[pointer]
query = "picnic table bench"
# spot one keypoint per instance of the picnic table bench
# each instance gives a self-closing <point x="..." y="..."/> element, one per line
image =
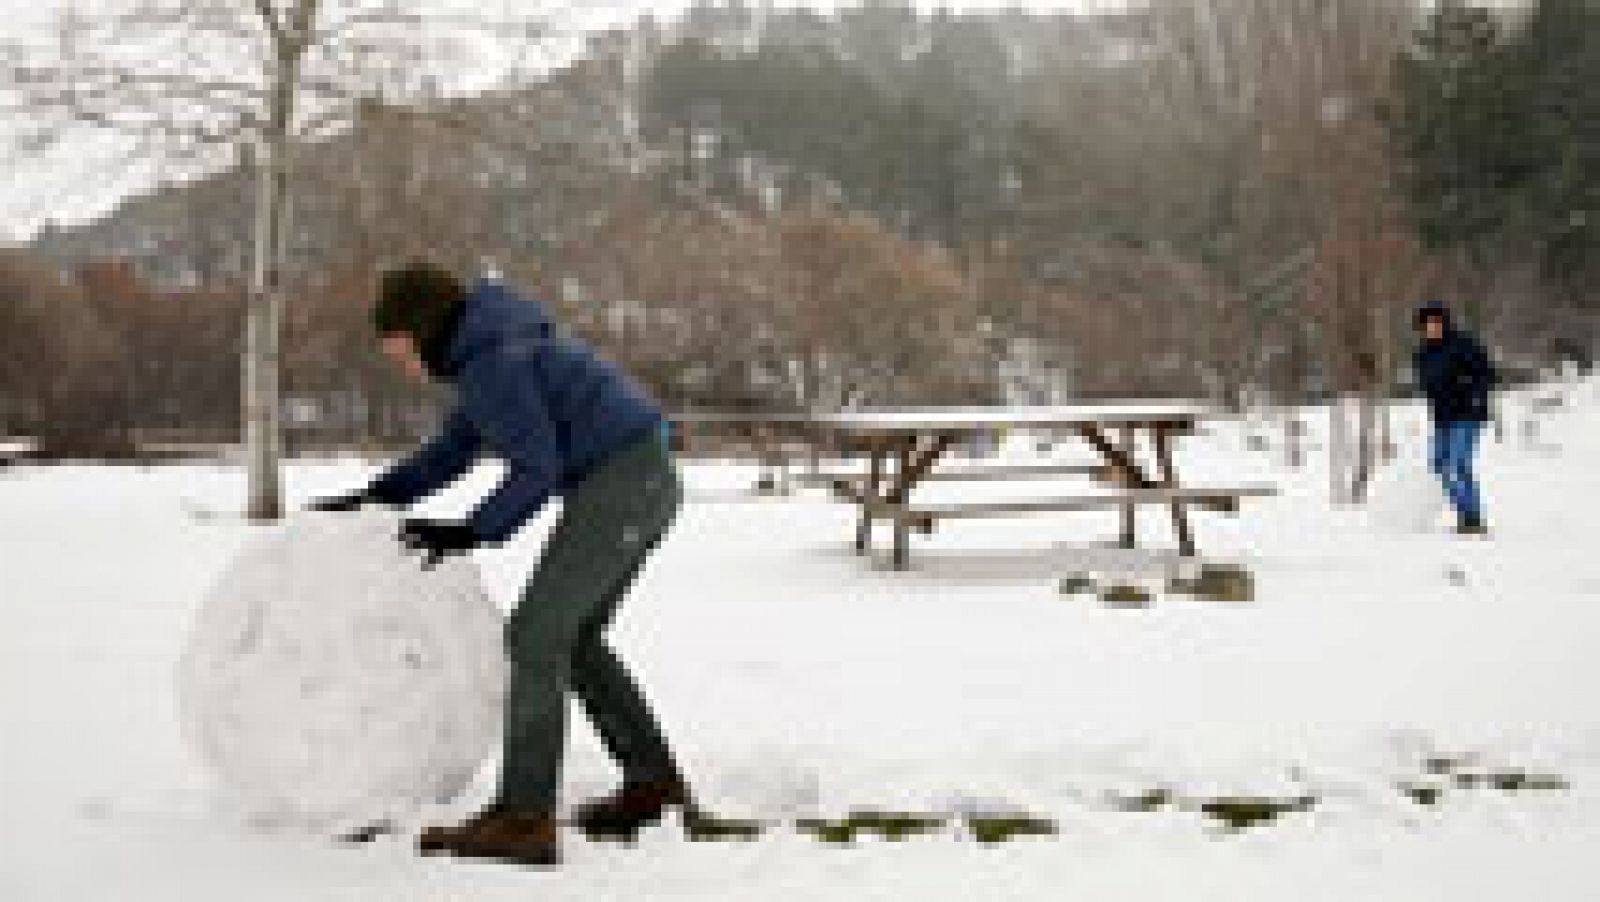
<point x="15" y="450"/>
<point x="895" y="452"/>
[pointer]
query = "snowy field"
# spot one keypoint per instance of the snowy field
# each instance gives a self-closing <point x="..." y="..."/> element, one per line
<point x="800" y="681"/>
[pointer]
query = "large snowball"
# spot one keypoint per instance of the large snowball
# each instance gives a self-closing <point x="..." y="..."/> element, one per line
<point x="329" y="680"/>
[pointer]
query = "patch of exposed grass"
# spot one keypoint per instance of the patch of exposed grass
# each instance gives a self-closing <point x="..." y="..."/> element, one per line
<point x="1077" y="585"/>
<point x="1126" y="595"/>
<point x="707" y="828"/>
<point x="1238" y="813"/>
<point x="1465" y="772"/>
<point x="995" y="829"/>
<point x="1523" y="781"/>
<point x="896" y="826"/>
<point x="839" y="833"/>
<point x="1424" y="794"/>
<point x="1149" y="800"/>
<point x="1444" y="765"/>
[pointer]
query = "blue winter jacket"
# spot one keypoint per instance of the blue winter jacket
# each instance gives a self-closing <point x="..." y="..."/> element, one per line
<point x="1456" y="376"/>
<point x="542" y="401"/>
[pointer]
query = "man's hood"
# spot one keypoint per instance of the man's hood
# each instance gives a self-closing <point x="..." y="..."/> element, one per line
<point x="493" y="314"/>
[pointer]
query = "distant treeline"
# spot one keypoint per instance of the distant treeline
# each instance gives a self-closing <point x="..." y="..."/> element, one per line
<point x="753" y="207"/>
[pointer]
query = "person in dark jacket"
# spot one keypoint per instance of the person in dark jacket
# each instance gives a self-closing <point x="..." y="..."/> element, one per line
<point x="1457" y="377"/>
<point x="566" y="423"/>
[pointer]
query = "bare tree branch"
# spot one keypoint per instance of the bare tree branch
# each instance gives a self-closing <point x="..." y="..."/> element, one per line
<point x="184" y="81"/>
<point x="269" y="18"/>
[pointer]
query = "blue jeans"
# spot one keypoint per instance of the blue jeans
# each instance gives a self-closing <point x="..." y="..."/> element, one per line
<point x="1455" y="445"/>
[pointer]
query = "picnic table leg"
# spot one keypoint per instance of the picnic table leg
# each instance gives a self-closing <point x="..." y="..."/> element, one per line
<point x="1119" y="457"/>
<point x="876" y="453"/>
<point x="773" y="448"/>
<point x="1169" y="479"/>
<point x="914" y="466"/>
<point x="904" y="480"/>
<point x="813" y="442"/>
<point x="1130" y="513"/>
<point x="900" y="557"/>
<point x="1121" y="463"/>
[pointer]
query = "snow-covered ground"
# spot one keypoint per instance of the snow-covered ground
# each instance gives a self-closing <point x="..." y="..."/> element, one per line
<point x="798" y="680"/>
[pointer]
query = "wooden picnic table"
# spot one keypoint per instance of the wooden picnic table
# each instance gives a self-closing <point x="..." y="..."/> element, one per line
<point x="897" y="451"/>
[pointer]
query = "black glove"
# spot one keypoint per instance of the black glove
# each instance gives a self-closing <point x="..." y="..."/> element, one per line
<point x="346" y="503"/>
<point x="437" y="539"/>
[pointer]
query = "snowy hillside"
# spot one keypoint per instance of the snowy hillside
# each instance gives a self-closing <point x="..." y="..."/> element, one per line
<point x="1423" y="702"/>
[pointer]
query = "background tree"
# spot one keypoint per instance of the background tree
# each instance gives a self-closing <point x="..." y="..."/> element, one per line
<point x="58" y="364"/>
<point x="1496" y="119"/>
<point x="1556" y="58"/>
<point x="207" y="82"/>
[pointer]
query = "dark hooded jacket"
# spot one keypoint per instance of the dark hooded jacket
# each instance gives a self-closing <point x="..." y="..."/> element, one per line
<point x="543" y="402"/>
<point x="1454" y="373"/>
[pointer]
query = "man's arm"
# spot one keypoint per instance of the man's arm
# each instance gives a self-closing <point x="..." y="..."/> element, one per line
<point x="444" y="459"/>
<point x="515" y="412"/>
<point x="1480" y="371"/>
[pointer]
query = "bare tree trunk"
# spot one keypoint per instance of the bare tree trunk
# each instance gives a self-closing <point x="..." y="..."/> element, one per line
<point x="263" y="316"/>
<point x="1367" y="443"/>
<point x="1294" y="438"/>
<point x="262" y="406"/>
<point x="1338" y="451"/>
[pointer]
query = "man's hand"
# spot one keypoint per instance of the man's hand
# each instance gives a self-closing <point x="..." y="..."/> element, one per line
<point x="436" y="539"/>
<point x="344" y="504"/>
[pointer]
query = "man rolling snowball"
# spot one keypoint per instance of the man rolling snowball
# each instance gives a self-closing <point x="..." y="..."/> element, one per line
<point x="566" y="423"/>
<point x="1456" y="375"/>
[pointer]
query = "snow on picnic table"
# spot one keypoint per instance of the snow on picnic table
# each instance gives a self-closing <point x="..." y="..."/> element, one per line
<point x="935" y="419"/>
<point x="798" y="679"/>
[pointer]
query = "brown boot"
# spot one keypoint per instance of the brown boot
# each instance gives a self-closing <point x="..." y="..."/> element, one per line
<point x="439" y="838"/>
<point x="622" y="814"/>
<point x="500" y="833"/>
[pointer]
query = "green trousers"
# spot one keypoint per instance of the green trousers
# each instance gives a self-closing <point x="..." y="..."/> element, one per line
<point x="556" y="638"/>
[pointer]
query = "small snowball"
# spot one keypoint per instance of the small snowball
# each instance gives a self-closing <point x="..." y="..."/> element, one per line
<point x="1406" y="498"/>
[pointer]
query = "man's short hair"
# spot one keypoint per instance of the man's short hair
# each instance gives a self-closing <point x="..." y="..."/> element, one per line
<point x="419" y="299"/>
